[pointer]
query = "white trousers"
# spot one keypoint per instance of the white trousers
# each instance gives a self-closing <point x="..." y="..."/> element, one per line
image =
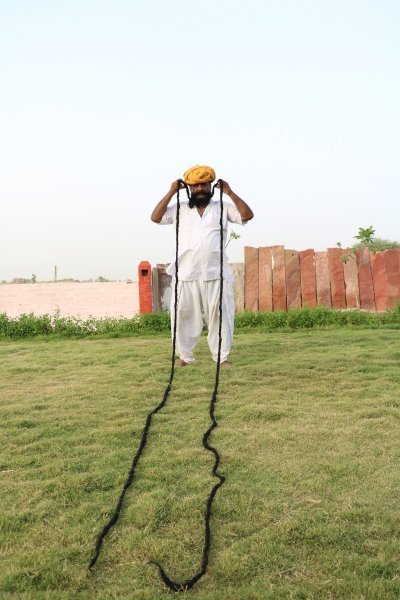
<point x="198" y="303"/>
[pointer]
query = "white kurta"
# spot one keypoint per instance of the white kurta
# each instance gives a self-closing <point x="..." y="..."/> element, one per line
<point x="199" y="243"/>
<point x="199" y="278"/>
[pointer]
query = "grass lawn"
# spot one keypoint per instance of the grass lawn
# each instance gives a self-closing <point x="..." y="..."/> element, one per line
<point x="309" y="436"/>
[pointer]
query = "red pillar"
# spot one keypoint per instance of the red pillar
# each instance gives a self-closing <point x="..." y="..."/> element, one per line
<point x="145" y="293"/>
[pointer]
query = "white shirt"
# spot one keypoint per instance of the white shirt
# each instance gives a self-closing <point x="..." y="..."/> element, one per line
<point x="199" y="240"/>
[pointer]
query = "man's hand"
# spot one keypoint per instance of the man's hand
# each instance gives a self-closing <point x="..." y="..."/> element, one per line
<point x="226" y="187"/>
<point x="161" y="207"/>
<point x="244" y="209"/>
<point x="175" y="186"/>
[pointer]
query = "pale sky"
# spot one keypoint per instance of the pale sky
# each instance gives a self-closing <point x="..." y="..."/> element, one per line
<point x="296" y="103"/>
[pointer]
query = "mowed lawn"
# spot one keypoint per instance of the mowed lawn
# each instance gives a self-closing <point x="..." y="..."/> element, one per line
<point x="309" y="435"/>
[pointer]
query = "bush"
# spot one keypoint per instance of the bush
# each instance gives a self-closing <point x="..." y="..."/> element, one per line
<point x="306" y="318"/>
<point x="377" y="245"/>
<point x="25" y="325"/>
<point x="155" y="322"/>
<point x="29" y="325"/>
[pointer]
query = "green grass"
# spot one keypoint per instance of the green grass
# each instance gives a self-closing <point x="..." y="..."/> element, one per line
<point x="309" y="435"/>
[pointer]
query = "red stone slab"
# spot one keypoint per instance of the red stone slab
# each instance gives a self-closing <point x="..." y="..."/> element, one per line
<point x="308" y="279"/>
<point x="367" y="296"/>
<point x="338" y="293"/>
<point x="293" y="279"/>
<point x="380" y="280"/>
<point x="323" y="279"/>
<point x="251" y="278"/>
<point x="265" y="279"/>
<point x="392" y="264"/>
<point x="350" y="271"/>
<point x="278" y="278"/>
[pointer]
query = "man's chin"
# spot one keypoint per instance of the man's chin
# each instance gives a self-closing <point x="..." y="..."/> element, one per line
<point x="200" y="200"/>
<point x="199" y="203"/>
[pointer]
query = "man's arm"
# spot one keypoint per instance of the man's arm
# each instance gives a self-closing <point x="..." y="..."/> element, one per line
<point x="244" y="209"/>
<point x="161" y="207"/>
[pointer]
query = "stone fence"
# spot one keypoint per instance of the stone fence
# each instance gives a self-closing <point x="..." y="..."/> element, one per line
<point x="280" y="279"/>
<point x="271" y="278"/>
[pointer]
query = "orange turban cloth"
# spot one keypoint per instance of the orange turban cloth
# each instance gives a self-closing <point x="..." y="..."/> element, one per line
<point x="199" y="174"/>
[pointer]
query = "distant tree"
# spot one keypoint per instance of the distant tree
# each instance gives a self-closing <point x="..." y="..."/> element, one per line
<point x="100" y="278"/>
<point x="68" y="280"/>
<point x="33" y="278"/>
<point x="367" y="240"/>
<point x="365" y="236"/>
<point x="377" y="245"/>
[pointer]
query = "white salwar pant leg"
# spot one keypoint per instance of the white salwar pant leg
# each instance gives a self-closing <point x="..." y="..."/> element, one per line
<point x="211" y="312"/>
<point x="189" y="318"/>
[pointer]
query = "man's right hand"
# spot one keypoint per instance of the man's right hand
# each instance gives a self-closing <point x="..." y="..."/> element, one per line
<point x="176" y="185"/>
<point x="161" y="207"/>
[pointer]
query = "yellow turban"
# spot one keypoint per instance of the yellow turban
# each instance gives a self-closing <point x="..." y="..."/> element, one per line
<point x="199" y="174"/>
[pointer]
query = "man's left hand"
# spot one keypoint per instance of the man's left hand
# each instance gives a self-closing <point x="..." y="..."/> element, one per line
<point x="244" y="209"/>
<point x="226" y="187"/>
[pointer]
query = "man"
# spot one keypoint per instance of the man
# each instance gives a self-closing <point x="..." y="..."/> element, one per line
<point x="199" y="262"/>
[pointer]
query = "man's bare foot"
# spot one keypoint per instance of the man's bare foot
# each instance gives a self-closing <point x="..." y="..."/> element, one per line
<point x="182" y="363"/>
<point x="226" y="363"/>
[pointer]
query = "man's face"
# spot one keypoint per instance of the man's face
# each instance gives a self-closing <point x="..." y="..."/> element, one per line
<point x="200" y="194"/>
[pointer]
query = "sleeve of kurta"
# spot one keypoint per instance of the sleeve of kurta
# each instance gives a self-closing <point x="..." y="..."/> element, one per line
<point x="169" y="216"/>
<point x="233" y="214"/>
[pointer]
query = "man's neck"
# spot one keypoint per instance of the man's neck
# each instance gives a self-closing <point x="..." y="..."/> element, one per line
<point x="201" y="209"/>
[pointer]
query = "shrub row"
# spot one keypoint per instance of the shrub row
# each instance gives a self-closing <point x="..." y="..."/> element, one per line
<point x="31" y="325"/>
<point x="306" y="318"/>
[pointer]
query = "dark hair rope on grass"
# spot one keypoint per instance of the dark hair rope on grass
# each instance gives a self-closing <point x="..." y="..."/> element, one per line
<point x="189" y="583"/>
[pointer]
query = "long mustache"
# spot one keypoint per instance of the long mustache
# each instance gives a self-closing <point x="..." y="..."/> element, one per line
<point x="203" y="200"/>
